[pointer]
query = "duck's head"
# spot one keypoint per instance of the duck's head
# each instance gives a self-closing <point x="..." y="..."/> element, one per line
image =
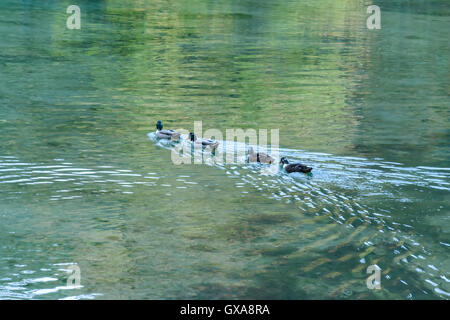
<point x="284" y="160"/>
<point x="159" y="125"/>
<point x="192" y="136"/>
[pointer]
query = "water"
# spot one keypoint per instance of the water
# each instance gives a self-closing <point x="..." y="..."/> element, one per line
<point x="81" y="182"/>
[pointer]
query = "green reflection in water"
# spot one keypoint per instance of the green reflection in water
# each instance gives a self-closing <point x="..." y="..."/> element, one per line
<point x="76" y="107"/>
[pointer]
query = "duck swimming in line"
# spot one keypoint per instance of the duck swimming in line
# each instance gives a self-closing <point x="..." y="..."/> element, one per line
<point x="166" y="134"/>
<point x="259" y="157"/>
<point x="206" y="143"/>
<point x="294" y="167"/>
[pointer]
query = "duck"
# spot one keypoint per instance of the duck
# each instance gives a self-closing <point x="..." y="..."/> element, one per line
<point x="206" y="143"/>
<point x="260" y="157"/>
<point x="166" y="134"/>
<point x="294" y="167"/>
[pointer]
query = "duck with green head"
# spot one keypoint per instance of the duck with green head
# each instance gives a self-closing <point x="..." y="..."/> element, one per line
<point x="206" y="143"/>
<point x="166" y="134"/>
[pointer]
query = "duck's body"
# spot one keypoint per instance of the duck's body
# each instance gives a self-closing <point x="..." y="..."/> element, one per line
<point x="206" y="143"/>
<point x="260" y="157"/>
<point x="166" y="134"/>
<point x="294" y="167"/>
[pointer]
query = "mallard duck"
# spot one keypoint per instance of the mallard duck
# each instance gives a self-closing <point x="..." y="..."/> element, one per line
<point x="166" y="134"/>
<point x="259" y="157"/>
<point x="294" y="167"/>
<point x="206" y="143"/>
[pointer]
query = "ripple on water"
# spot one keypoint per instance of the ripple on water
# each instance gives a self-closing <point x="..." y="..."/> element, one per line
<point x="333" y="215"/>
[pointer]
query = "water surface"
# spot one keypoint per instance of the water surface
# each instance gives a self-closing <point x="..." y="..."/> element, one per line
<point x="81" y="182"/>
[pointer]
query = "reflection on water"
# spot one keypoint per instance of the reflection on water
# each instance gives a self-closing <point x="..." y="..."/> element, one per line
<point x="352" y="213"/>
<point x="81" y="183"/>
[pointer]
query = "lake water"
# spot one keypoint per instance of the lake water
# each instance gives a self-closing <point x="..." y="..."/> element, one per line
<point x="81" y="182"/>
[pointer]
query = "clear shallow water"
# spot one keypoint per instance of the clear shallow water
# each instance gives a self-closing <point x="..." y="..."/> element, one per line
<point x="81" y="182"/>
